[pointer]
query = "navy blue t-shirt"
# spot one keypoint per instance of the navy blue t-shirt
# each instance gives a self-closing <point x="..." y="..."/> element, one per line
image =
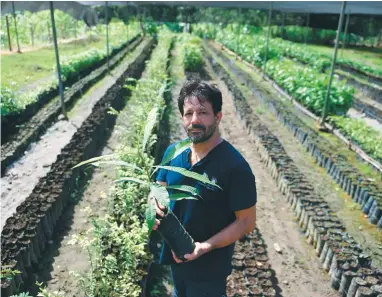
<point x="205" y="217"/>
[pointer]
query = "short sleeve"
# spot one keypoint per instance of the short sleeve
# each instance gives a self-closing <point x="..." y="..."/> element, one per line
<point x="162" y="173"/>
<point x="242" y="190"/>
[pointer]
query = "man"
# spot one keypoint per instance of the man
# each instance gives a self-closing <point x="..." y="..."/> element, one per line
<point x="221" y="217"/>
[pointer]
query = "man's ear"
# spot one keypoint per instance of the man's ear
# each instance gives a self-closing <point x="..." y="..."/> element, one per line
<point x="219" y="116"/>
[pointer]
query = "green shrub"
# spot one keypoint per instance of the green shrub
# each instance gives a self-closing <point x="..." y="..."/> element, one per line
<point x="369" y="139"/>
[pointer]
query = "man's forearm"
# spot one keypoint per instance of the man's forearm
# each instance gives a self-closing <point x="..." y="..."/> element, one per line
<point x="230" y="234"/>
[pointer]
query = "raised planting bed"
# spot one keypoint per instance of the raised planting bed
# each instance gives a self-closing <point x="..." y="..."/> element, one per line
<point x="26" y="234"/>
<point x="35" y="126"/>
<point x="12" y="123"/>
<point x="363" y="188"/>
<point x="372" y="91"/>
<point x="338" y="252"/>
<point x="370" y="110"/>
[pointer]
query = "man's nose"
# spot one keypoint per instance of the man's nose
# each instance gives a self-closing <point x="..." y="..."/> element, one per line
<point x="195" y="119"/>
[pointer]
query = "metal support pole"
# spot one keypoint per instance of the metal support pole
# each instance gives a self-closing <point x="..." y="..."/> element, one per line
<point x="282" y="25"/>
<point x="326" y="104"/>
<point x="140" y="21"/>
<point x="306" y="27"/>
<point x="268" y="33"/>
<point x="107" y="36"/>
<point x="346" y="31"/>
<point x="15" y="21"/>
<point x="60" y="85"/>
<point x="8" y="34"/>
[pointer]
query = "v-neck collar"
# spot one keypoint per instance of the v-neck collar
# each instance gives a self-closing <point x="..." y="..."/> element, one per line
<point x="206" y="158"/>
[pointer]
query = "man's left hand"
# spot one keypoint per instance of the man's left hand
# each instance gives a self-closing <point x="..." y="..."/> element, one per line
<point x="200" y="249"/>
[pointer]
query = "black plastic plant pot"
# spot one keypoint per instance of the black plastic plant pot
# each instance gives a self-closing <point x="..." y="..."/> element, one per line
<point x="176" y="237"/>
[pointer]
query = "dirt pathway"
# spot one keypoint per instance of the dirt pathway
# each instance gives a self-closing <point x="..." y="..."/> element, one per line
<point x="352" y="217"/>
<point x="63" y="258"/>
<point x="22" y="176"/>
<point x="297" y="268"/>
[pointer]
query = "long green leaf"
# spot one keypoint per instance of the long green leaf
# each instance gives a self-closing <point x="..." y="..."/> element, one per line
<point x="181" y="196"/>
<point x="150" y="214"/>
<point x="184" y="188"/>
<point x="151" y="120"/>
<point x="190" y="174"/>
<point x="131" y="179"/>
<point x="94" y="160"/>
<point x="160" y="193"/>
<point x="118" y="162"/>
<point x="176" y="150"/>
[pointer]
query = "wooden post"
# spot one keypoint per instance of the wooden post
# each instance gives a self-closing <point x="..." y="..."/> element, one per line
<point x="326" y="104"/>
<point x="60" y="84"/>
<point x="268" y="33"/>
<point x="306" y="27"/>
<point x="8" y="34"/>
<point x="346" y="31"/>
<point x="107" y="36"/>
<point x="15" y="22"/>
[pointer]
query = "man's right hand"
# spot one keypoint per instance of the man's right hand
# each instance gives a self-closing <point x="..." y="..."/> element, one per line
<point x="159" y="209"/>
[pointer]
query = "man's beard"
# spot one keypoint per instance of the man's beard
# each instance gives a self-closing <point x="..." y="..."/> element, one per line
<point x="202" y="135"/>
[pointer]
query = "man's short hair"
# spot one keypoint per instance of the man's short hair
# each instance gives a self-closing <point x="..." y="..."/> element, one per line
<point x="203" y="91"/>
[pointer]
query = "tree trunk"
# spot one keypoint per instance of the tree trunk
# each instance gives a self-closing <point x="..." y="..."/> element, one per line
<point x="9" y="35"/>
<point x="49" y="33"/>
<point x="32" y="35"/>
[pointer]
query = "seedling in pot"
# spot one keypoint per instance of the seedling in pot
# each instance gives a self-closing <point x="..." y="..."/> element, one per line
<point x="170" y="228"/>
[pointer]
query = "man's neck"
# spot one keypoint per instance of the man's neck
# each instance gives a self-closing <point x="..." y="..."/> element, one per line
<point x="200" y="150"/>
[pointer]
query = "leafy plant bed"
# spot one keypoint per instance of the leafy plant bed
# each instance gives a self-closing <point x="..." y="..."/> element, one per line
<point x="35" y="126"/>
<point x="14" y="121"/>
<point x="339" y="253"/>
<point x="364" y="188"/>
<point x="27" y="232"/>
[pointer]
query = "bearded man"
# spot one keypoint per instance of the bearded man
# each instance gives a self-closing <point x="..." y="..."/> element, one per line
<point x="221" y="217"/>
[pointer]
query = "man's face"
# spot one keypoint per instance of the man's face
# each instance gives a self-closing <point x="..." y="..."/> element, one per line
<point x="199" y="120"/>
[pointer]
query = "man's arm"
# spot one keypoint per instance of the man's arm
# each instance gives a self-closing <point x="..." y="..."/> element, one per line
<point x="245" y="222"/>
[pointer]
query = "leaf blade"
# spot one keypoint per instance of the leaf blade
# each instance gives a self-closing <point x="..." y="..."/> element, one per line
<point x="184" y="188"/>
<point x="151" y="120"/>
<point x="175" y="151"/>
<point x="181" y="196"/>
<point x="95" y="159"/>
<point x="131" y="179"/>
<point x="118" y="162"/>
<point x="190" y="174"/>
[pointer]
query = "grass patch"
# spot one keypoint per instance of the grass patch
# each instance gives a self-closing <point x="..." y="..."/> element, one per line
<point x="19" y="70"/>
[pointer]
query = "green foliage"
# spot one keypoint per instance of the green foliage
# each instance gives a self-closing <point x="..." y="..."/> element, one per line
<point x="251" y="47"/>
<point x="8" y="273"/>
<point x="369" y="139"/>
<point x="9" y="104"/>
<point x="13" y="102"/>
<point x="309" y="87"/>
<point x="192" y="52"/>
<point x="306" y="84"/>
<point x="24" y="294"/>
<point x="71" y="66"/>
